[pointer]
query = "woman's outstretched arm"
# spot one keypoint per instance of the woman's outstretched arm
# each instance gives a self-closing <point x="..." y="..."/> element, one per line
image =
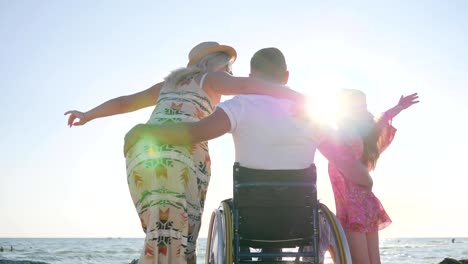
<point x="118" y="105"/>
<point x="226" y="84"/>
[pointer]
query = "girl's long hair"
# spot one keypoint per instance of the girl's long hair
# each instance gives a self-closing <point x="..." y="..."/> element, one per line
<point x="208" y="63"/>
<point x="367" y="129"/>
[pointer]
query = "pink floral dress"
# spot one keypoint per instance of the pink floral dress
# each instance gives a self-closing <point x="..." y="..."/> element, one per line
<point x="357" y="208"/>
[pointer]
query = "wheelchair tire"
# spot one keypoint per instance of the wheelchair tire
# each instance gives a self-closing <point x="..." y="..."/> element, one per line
<point x="209" y="239"/>
<point x="219" y="241"/>
<point x="229" y="231"/>
<point x="337" y="243"/>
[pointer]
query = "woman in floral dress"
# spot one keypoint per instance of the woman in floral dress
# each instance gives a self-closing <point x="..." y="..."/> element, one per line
<point x="359" y="211"/>
<point x="168" y="183"/>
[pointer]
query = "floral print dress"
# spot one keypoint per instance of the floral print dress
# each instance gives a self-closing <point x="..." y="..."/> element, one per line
<point x="357" y="208"/>
<point x="168" y="183"/>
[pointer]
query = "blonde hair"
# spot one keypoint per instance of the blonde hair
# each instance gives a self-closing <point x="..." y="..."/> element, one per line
<point x="209" y="63"/>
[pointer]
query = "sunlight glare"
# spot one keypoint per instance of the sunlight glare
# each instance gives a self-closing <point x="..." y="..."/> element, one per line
<point x="322" y="107"/>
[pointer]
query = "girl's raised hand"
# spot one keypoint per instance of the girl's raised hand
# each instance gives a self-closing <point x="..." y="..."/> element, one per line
<point x="407" y="101"/>
<point x="76" y="115"/>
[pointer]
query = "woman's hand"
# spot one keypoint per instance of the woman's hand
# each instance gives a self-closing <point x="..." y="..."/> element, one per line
<point x="134" y="135"/>
<point x="407" y="101"/>
<point x="76" y="115"/>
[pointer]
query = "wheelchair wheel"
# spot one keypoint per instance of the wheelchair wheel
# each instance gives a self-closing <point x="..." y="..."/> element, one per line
<point x="219" y="241"/>
<point x="333" y="238"/>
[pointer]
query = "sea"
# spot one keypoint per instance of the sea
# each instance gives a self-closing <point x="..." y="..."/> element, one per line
<point x="124" y="250"/>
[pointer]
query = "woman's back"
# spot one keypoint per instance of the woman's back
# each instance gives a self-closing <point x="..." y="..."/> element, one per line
<point x="171" y="181"/>
<point x="187" y="102"/>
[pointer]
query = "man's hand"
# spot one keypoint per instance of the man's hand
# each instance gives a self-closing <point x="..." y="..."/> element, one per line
<point x="134" y="135"/>
<point x="341" y="155"/>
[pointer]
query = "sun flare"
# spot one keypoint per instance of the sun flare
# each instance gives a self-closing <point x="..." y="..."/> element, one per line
<point x="323" y="108"/>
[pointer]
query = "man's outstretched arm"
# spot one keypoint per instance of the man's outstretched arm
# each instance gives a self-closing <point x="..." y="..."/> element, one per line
<point x="210" y="127"/>
<point x="343" y="158"/>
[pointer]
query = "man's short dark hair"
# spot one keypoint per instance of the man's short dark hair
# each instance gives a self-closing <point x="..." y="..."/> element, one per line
<point x="269" y="62"/>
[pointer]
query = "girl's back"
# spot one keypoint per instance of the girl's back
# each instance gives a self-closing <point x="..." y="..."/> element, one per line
<point x="357" y="208"/>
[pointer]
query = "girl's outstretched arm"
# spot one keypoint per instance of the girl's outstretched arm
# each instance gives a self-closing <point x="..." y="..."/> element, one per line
<point x="226" y="84"/>
<point x="118" y="105"/>
<point x="403" y="103"/>
<point x="384" y="125"/>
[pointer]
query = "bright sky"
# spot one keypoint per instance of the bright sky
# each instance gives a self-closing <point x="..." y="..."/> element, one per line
<point x="60" y="55"/>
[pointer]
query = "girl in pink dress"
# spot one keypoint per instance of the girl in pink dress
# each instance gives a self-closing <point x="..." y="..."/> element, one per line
<point x="359" y="211"/>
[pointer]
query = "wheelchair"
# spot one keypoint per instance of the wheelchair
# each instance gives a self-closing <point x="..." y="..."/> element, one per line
<point x="275" y="217"/>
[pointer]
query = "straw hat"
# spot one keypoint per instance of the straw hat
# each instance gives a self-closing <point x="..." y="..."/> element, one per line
<point x="206" y="48"/>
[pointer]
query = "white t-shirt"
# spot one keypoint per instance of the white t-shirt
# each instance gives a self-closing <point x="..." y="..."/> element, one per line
<point x="268" y="135"/>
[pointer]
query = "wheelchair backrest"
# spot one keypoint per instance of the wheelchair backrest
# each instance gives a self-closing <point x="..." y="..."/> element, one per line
<point x="274" y="205"/>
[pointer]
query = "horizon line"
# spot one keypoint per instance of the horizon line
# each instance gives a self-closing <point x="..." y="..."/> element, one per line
<point x="124" y="237"/>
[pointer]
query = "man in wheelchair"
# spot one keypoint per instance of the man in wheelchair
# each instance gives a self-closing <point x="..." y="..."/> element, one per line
<point x="275" y="146"/>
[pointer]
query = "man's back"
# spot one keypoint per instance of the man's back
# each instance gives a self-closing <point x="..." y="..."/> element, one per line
<point x="267" y="135"/>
